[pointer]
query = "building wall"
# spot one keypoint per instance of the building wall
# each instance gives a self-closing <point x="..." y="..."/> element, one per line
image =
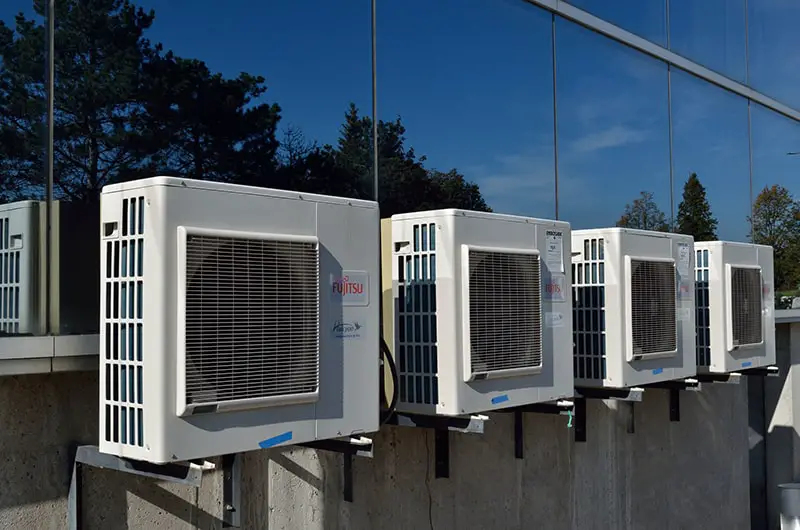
<point x="692" y="474"/>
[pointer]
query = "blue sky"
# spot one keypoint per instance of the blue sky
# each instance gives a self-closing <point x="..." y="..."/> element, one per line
<point x="472" y="82"/>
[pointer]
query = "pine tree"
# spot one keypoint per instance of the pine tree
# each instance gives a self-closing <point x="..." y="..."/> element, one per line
<point x="694" y="212"/>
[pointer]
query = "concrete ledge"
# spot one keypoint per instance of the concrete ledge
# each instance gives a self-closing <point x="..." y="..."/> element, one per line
<point x="43" y="355"/>
<point x="787" y="316"/>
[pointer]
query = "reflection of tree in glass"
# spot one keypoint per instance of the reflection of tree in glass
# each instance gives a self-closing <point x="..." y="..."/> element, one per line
<point x="694" y="212"/>
<point x="776" y="222"/>
<point x="644" y="214"/>
<point x="125" y="109"/>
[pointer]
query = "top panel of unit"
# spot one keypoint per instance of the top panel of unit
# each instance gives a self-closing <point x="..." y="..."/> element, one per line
<point x="178" y="182"/>
<point x="632" y="231"/>
<point x="454" y="212"/>
<point x="719" y="244"/>
<point x="19" y="205"/>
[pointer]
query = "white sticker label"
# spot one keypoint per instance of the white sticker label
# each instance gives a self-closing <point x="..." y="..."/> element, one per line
<point x="350" y="289"/>
<point x="347" y="330"/>
<point x="684" y="290"/>
<point x="554" y="251"/>
<point x="554" y="287"/>
<point x="682" y="314"/>
<point x="554" y="320"/>
<point x="684" y="259"/>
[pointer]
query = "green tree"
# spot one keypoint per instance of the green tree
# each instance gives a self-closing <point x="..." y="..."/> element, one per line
<point x="694" y="212"/>
<point x="776" y="222"/>
<point x="643" y="214"/>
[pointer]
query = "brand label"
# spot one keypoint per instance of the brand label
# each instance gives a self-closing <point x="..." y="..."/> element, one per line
<point x="350" y="289"/>
<point x="346" y="330"/>
<point x="554" y="288"/>
<point x="554" y="250"/>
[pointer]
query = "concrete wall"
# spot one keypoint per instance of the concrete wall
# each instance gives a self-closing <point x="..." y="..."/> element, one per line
<point x="692" y="474"/>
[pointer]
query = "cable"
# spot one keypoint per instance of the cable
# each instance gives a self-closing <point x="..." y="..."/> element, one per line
<point x="386" y="353"/>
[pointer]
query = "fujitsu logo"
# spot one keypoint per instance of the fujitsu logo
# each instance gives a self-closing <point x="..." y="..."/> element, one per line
<point x="343" y="286"/>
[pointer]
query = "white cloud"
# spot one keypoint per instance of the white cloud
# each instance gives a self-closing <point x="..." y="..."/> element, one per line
<point x="615" y="136"/>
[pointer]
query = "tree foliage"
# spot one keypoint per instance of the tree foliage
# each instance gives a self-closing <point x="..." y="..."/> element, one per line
<point x="694" y="212"/>
<point x="126" y="109"/>
<point x="776" y="222"/>
<point x="644" y="214"/>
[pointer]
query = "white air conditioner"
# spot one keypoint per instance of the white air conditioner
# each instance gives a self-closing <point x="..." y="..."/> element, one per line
<point x="74" y="270"/>
<point x="633" y="307"/>
<point x="482" y="314"/>
<point x="735" y="306"/>
<point x="234" y="318"/>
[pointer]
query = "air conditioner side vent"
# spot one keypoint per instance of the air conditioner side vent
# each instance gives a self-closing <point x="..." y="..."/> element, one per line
<point x="10" y="285"/>
<point x="702" y="308"/>
<point x="589" y="311"/>
<point x="122" y="331"/>
<point x="505" y="311"/>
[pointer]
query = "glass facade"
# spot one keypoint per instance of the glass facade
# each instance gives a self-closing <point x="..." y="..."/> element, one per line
<point x="547" y="116"/>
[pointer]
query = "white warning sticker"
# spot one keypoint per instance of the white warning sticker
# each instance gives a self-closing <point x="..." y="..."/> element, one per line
<point x="554" y="320"/>
<point x="554" y="250"/>
<point x="684" y="258"/>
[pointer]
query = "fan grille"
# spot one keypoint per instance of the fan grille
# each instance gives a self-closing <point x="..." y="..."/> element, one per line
<point x="505" y="312"/>
<point x="746" y="305"/>
<point x="252" y="318"/>
<point x="653" y="295"/>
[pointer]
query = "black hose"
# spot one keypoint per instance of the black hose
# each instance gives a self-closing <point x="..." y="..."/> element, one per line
<point x="389" y="359"/>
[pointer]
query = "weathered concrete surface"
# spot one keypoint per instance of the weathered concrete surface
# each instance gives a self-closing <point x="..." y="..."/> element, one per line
<point x="692" y="474"/>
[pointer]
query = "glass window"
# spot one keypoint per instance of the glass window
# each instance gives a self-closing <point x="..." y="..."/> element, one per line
<point x="480" y="98"/>
<point x="710" y="140"/>
<point x="613" y="129"/>
<point x="776" y="150"/>
<point x="712" y="33"/>
<point x="646" y="18"/>
<point x="774" y="38"/>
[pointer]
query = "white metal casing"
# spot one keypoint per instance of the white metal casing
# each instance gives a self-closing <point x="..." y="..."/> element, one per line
<point x="715" y="261"/>
<point x="430" y="258"/>
<point x="145" y="225"/>
<point x="603" y="307"/>
<point x="20" y="312"/>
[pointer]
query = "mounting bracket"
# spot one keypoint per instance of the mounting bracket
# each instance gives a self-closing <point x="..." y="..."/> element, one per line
<point x="349" y="448"/>
<point x="441" y="425"/>
<point x="765" y="371"/>
<point x="675" y="388"/>
<point x="189" y="474"/>
<point x="733" y="378"/>
<point x="630" y="396"/>
<point x="562" y="407"/>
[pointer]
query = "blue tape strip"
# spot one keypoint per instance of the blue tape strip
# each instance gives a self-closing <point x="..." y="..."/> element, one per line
<point x="657" y="371"/>
<point x="747" y="364"/>
<point x="499" y="399"/>
<point x="275" y="440"/>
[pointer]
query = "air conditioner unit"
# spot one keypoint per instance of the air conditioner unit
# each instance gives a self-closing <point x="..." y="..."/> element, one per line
<point x="74" y="270"/>
<point x="633" y="307"/>
<point x="482" y="316"/>
<point x="234" y="318"/>
<point x="735" y="314"/>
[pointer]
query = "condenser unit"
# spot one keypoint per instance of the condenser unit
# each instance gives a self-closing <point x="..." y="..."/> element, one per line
<point x="735" y="314"/>
<point x="74" y="270"/>
<point x="633" y="307"/>
<point x="234" y="318"/>
<point x="482" y="313"/>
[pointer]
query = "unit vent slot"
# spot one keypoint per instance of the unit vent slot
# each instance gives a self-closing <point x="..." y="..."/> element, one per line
<point x="122" y="331"/>
<point x="505" y="311"/>
<point x="252" y="318"/>
<point x="653" y="296"/>
<point x="703" y="310"/>
<point x="746" y="305"/>
<point x="9" y="280"/>
<point x="416" y="325"/>
<point x="589" y="311"/>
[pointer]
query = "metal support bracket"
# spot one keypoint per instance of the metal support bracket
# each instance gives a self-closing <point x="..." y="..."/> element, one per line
<point x="231" y="491"/>
<point x="563" y="407"/>
<point x="630" y="396"/>
<point x="733" y="378"/>
<point x="675" y="388"/>
<point x="189" y="474"/>
<point x="349" y="448"/>
<point x="766" y="371"/>
<point x="442" y="426"/>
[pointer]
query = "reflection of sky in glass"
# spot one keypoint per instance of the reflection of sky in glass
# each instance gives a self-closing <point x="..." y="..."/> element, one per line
<point x="472" y="81"/>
